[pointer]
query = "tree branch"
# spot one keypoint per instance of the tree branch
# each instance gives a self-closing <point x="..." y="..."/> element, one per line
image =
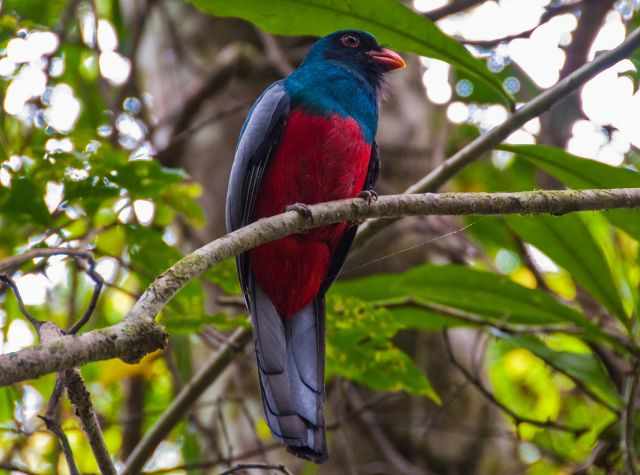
<point x="129" y="340"/>
<point x="518" y="419"/>
<point x="185" y="399"/>
<point x="628" y="444"/>
<point x="456" y="6"/>
<point x="550" y="13"/>
<point x="81" y="400"/>
<point x="474" y="150"/>
<point x="257" y="466"/>
<point x="138" y="334"/>
<point x="83" y="408"/>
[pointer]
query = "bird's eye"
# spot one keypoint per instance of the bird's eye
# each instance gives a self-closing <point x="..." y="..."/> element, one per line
<point x="350" y="41"/>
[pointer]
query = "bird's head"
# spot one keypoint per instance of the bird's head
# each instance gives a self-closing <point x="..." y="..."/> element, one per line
<point x="358" y="51"/>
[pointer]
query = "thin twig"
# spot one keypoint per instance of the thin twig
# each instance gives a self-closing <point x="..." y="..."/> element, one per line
<point x="81" y="402"/>
<point x="8" y="282"/>
<point x="257" y="466"/>
<point x="628" y="439"/>
<point x="456" y="6"/>
<point x="550" y="13"/>
<point x="98" y="283"/>
<point x="475" y="149"/>
<point x="9" y="264"/>
<point x="55" y="428"/>
<point x="83" y="408"/>
<point x="10" y="467"/>
<point x="518" y="419"/>
<point x="218" y="461"/>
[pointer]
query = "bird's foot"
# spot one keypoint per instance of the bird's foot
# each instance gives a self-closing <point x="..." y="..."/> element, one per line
<point x="369" y="195"/>
<point x="302" y="209"/>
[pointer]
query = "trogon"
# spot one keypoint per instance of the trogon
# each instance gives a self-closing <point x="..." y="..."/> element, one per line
<point x="309" y="138"/>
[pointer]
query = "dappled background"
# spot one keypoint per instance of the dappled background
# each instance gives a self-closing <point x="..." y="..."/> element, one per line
<point x="117" y="131"/>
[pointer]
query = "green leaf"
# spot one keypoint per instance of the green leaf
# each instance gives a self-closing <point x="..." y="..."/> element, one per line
<point x="8" y="398"/>
<point x="582" y="173"/>
<point x="492" y="296"/>
<point x="582" y="366"/>
<point x="24" y="201"/>
<point x="356" y="352"/>
<point x="568" y="241"/>
<point x="41" y="12"/>
<point x="225" y="276"/>
<point x="392" y="23"/>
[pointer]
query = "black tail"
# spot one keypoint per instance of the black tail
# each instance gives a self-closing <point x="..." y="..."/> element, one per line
<point x="291" y="366"/>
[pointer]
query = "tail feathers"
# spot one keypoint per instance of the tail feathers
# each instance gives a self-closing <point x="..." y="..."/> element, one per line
<point x="290" y="357"/>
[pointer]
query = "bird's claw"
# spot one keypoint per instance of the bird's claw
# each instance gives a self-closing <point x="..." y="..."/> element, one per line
<point x="302" y="209"/>
<point x="369" y="195"/>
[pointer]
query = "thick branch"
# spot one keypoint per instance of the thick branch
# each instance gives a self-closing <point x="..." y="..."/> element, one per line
<point x="138" y="334"/>
<point x="129" y="341"/>
<point x="474" y="150"/>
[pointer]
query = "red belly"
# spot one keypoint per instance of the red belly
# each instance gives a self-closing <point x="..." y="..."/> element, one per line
<point x="319" y="159"/>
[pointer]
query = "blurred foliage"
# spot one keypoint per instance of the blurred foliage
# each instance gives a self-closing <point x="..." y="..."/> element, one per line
<point x="96" y="184"/>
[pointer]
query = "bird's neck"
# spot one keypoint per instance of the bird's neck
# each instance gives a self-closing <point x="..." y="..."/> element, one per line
<point x="329" y="88"/>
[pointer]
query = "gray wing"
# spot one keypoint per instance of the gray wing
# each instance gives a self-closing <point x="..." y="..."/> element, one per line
<point x="258" y="139"/>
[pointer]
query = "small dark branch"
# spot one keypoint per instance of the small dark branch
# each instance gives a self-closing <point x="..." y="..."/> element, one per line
<point x="628" y="442"/>
<point x="381" y="440"/>
<point x="179" y="137"/>
<point x="551" y="12"/>
<point x="98" y="283"/>
<point x="81" y="401"/>
<point x="218" y="461"/>
<point x="456" y="6"/>
<point x="475" y="149"/>
<point x="7" y="281"/>
<point x="229" y="63"/>
<point x="518" y="419"/>
<point x="137" y="29"/>
<point x="274" y="53"/>
<point x="83" y="408"/>
<point x="256" y="466"/>
<point x="251" y="422"/>
<point x="528" y="261"/>
<point x="367" y="406"/>
<point x="558" y="122"/>
<point x="223" y="428"/>
<point x="55" y="428"/>
<point x="184" y="54"/>
<point x="133" y="417"/>
<point x="471" y="318"/>
<point x="232" y="301"/>
<point x="52" y="407"/>
<point x="10" y="264"/>
<point x="183" y="402"/>
<point x="10" y="467"/>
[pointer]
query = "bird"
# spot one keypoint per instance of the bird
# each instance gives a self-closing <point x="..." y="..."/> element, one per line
<point x="308" y="138"/>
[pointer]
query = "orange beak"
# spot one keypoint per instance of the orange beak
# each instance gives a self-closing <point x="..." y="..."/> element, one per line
<point x="389" y="59"/>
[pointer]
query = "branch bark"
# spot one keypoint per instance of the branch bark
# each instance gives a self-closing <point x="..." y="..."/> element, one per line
<point x="138" y="335"/>
<point x="129" y="340"/>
